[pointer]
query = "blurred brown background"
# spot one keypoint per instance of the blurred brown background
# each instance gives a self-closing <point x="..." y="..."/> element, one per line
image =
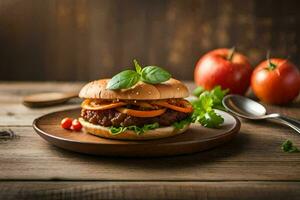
<point x="89" y="39"/>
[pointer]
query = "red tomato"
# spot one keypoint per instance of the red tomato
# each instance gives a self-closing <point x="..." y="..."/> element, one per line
<point x="66" y="123"/>
<point x="217" y="68"/>
<point x="276" y="83"/>
<point x="76" y="125"/>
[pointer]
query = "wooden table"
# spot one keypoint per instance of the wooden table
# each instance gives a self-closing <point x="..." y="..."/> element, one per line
<point x="252" y="166"/>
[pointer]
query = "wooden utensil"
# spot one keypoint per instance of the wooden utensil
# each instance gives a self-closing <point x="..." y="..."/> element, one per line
<point x="48" y="99"/>
<point x="197" y="138"/>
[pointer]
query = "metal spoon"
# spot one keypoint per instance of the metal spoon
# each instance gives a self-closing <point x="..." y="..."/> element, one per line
<point x="249" y="109"/>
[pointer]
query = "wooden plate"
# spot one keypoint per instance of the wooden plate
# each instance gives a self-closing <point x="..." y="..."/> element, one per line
<point x="197" y="138"/>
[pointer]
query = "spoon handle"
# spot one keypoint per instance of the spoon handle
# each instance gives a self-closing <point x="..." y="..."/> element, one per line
<point x="292" y="123"/>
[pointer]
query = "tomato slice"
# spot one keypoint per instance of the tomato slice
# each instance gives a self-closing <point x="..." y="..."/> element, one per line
<point x="188" y="108"/>
<point x="141" y="113"/>
<point x="87" y="104"/>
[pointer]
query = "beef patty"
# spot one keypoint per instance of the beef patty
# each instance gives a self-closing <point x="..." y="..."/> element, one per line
<point x="111" y="117"/>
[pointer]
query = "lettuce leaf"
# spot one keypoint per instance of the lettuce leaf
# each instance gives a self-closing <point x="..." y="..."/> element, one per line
<point x="138" y="130"/>
<point x="117" y="130"/>
<point x="181" y="124"/>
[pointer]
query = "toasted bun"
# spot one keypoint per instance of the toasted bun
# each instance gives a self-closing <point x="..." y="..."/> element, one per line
<point x="141" y="91"/>
<point x="158" y="133"/>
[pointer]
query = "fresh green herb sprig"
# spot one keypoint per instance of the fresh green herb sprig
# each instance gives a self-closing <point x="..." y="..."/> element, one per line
<point x="138" y="130"/>
<point x="199" y="90"/>
<point x="216" y="94"/>
<point x="128" y="78"/>
<point x="204" y="106"/>
<point x="287" y="146"/>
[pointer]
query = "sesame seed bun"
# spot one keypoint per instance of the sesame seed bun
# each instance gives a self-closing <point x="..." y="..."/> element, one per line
<point x="141" y="91"/>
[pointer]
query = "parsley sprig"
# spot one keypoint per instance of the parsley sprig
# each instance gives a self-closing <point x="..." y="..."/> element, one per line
<point x="204" y="106"/>
<point x="288" y="146"/>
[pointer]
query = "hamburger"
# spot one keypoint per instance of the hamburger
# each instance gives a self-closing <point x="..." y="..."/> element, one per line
<point x="143" y="111"/>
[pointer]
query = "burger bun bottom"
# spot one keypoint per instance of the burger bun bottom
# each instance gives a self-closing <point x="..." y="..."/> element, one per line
<point x="158" y="133"/>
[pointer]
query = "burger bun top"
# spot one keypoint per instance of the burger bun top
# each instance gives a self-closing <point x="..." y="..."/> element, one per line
<point x="141" y="91"/>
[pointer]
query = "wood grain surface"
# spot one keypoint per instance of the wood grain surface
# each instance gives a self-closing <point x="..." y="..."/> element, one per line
<point x="151" y="190"/>
<point x="251" y="166"/>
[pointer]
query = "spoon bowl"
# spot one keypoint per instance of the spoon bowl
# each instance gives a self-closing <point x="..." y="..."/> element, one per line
<point x="250" y="109"/>
<point x="244" y="107"/>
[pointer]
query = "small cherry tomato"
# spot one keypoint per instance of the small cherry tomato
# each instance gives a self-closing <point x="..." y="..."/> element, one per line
<point x="76" y="125"/>
<point x="66" y="123"/>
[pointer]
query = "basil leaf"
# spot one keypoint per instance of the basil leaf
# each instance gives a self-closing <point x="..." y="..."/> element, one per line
<point x="154" y="75"/>
<point x="137" y="66"/>
<point x="123" y="80"/>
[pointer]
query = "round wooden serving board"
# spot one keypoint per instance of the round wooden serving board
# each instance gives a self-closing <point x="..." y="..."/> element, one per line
<point x="196" y="138"/>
